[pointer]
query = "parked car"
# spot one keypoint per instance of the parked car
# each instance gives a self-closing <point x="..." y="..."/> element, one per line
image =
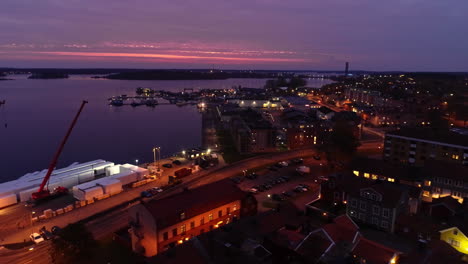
<point x="167" y="165"/>
<point x="36" y="238"/>
<point x="260" y="188"/>
<point x="283" y="164"/>
<point x="297" y="161"/>
<point x="46" y="234"/>
<point x="237" y="179"/>
<point x="145" y="194"/>
<point x="286" y="178"/>
<point x="253" y="190"/>
<point x="289" y="194"/>
<point x="56" y="230"/>
<point x="177" y="162"/>
<point x="157" y="189"/>
<point x="252" y="176"/>
<point x="323" y="178"/>
<point x="304" y="185"/>
<point x="316" y="157"/>
<point x="277" y="197"/>
<point x="300" y="188"/>
<point x="273" y="168"/>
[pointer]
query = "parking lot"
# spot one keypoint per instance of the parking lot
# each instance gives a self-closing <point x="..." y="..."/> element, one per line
<point x="278" y="183"/>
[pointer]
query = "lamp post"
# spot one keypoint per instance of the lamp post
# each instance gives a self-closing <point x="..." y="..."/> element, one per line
<point x="158" y="149"/>
<point x="136" y="161"/>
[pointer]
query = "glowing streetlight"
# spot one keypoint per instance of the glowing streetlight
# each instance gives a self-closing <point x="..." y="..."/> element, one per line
<point x="158" y="149"/>
<point x="136" y="161"/>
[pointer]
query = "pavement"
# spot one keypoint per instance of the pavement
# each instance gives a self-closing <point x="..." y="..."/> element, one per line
<point x="299" y="199"/>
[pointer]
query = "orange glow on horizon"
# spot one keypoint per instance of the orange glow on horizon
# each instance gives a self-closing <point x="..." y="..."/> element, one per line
<point x="164" y="56"/>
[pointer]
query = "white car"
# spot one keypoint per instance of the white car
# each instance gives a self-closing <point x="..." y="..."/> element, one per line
<point x="36" y="238"/>
<point x="157" y="189"/>
<point x="283" y="163"/>
<point x="253" y="190"/>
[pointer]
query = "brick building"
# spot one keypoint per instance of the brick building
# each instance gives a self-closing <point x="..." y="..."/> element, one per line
<point x="161" y="224"/>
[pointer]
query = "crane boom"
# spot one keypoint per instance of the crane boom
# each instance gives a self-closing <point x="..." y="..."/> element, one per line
<point x="42" y="192"/>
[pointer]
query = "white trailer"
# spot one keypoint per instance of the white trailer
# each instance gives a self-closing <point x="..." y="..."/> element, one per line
<point x="7" y="200"/>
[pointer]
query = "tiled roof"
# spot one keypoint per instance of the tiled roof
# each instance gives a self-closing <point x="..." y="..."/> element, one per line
<point x="373" y="252"/>
<point x="166" y="212"/>
<point x="314" y="245"/>
<point x="435" y="252"/>
<point x="343" y="229"/>
<point x="451" y="203"/>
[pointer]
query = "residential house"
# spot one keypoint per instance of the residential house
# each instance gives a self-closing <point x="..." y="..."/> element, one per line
<point x="378" y="205"/>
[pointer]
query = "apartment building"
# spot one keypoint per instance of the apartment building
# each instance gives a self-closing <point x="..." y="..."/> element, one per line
<point x="444" y="179"/>
<point x="417" y="145"/>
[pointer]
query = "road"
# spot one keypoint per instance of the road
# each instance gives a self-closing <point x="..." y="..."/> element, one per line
<point x="365" y="129"/>
<point x="107" y="224"/>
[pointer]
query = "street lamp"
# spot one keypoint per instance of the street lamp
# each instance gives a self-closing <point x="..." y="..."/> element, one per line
<point x="158" y="149"/>
<point x="136" y="161"/>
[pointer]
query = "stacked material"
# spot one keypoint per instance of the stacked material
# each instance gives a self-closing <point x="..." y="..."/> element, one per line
<point x="110" y="186"/>
<point x="74" y="174"/>
<point x="126" y="177"/>
<point x="87" y="191"/>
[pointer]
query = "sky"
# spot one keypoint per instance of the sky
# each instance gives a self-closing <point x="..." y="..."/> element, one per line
<point x="375" y="35"/>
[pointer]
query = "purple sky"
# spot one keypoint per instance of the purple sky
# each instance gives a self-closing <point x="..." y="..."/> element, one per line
<point x="412" y="35"/>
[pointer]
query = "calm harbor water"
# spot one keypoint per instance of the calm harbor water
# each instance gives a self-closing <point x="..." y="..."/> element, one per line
<point x="38" y="112"/>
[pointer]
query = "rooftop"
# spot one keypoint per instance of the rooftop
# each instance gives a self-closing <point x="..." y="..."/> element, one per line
<point x="373" y="252"/>
<point x="430" y="134"/>
<point x="193" y="202"/>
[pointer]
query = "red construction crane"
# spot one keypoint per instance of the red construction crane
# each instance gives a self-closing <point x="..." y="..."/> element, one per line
<point x="43" y="192"/>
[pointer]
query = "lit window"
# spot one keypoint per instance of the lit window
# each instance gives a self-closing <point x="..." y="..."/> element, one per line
<point x="427" y="183"/>
<point x="210" y="217"/>
<point x="182" y="229"/>
<point x="391" y="180"/>
<point x="366" y="175"/>
<point x="356" y="173"/>
<point x="182" y="216"/>
<point x="374" y="177"/>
